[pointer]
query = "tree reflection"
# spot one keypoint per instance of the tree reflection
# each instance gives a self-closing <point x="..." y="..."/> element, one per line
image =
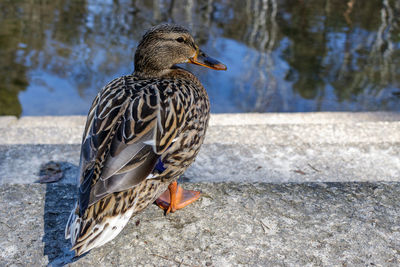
<point x="11" y="82"/>
<point x="298" y="55"/>
<point x="350" y="47"/>
<point x="23" y="42"/>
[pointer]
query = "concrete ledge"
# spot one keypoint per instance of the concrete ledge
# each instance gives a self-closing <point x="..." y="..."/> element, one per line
<point x="222" y="119"/>
<point x="7" y="121"/>
<point x="234" y="163"/>
<point x="313" y="147"/>
<point x="251" y="129"/>
<point x="315" y="189"/>
<point x="325" y="224"/>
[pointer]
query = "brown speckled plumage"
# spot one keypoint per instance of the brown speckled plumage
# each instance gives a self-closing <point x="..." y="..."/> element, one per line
<point x="158" y="114"/>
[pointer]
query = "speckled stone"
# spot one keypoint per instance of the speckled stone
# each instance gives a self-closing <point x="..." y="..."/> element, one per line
<point x="308" y="224"/>
<point x="303" y="189"/>
<point x="298" y="147"/>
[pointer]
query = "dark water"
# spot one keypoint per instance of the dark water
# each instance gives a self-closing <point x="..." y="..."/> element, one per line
<point x="283" y="56"/>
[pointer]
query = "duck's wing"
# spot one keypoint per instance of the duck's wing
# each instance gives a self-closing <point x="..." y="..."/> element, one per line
<point x="130" y="124"/>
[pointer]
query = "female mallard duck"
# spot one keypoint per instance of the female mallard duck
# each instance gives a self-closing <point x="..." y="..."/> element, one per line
<point x="142" y="132"/>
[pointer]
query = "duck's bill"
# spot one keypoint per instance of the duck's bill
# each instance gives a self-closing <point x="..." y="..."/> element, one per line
<point x="203" y="60"/>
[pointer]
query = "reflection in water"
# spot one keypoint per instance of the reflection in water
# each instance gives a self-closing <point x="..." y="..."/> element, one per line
<point x="282" y="55"/>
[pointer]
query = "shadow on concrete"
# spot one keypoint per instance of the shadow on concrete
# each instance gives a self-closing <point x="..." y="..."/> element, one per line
<point x="58" y="204"/>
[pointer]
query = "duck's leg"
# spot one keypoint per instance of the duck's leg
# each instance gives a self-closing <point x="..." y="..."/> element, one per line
<point x="175" y="198"/>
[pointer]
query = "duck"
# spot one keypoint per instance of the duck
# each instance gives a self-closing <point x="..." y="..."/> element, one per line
<point x="142" y="132"/>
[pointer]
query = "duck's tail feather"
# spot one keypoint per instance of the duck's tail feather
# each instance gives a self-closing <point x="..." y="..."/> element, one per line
<point x="88" y="234"/>
<point x="72" y="229"/>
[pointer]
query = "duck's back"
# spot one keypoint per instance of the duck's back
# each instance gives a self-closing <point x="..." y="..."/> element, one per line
<point x="140" y="135"/>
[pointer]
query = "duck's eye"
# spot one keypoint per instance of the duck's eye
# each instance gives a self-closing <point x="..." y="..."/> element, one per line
<point x="180" y="39"/>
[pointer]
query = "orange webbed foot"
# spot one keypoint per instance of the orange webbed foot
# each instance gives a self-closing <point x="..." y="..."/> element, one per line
<point x="175" y="198"/>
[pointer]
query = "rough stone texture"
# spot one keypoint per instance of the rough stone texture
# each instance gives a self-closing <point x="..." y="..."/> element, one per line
<point x="252" y="129"/>
<point x="21" y="163"/>
<point x="222" y="119"/>
<point x="301" y="118"/>
<point x="7" y="121"/>
<point x="256" y="215"/>
<point x="233" y="162"/>
<point x="309" y="224"/>
<point x="298" y="147"/>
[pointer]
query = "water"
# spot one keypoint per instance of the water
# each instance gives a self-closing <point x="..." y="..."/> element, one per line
<point x="282" y="56"/>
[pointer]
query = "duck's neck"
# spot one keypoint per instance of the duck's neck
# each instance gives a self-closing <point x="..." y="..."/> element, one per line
<point x="151" y="73"/>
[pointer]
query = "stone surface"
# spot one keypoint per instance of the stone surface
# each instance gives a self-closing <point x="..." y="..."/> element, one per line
<point x="308" y="224"/>
<point x="297" y="147"/>
<point x="221" y="119"/>
<point x="7" y="121"/>
<point x="233" y="162"/>
<point x="230" y="128"/>
<point x="302" y="189"/>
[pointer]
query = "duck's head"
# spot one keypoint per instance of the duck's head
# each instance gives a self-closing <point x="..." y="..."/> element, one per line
<point x="166" y="45"/>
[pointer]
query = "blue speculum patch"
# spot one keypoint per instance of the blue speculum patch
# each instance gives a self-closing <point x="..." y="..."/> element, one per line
<point x="160" y="166"/>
